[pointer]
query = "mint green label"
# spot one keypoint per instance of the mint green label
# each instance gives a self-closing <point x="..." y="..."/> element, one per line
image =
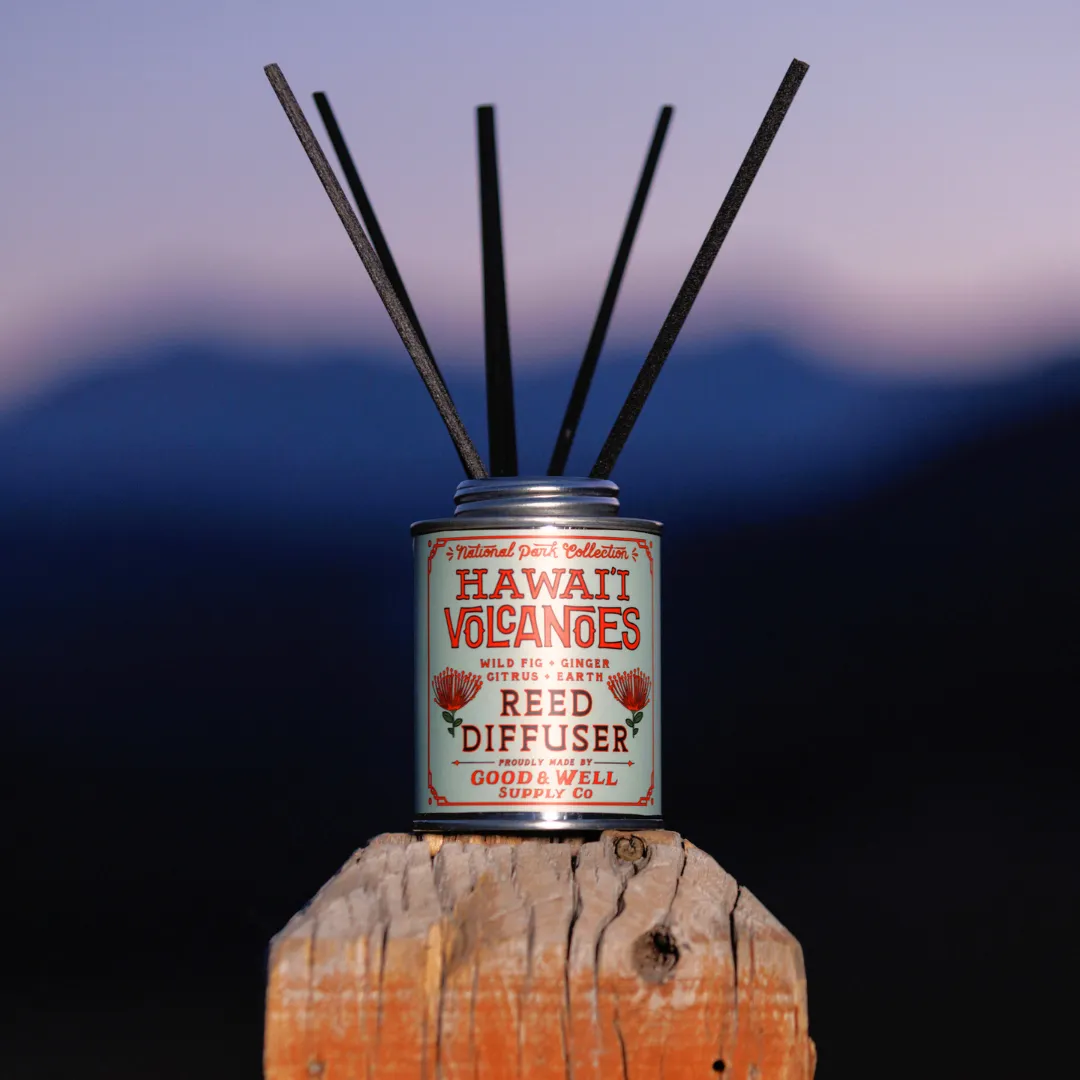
<point x="538" y="671"/>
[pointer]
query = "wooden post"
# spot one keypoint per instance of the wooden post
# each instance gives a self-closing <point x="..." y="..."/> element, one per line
<point x="631" y="955"/>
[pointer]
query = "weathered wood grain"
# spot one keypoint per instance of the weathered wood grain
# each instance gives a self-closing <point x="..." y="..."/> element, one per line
<point x="631" y="955"/>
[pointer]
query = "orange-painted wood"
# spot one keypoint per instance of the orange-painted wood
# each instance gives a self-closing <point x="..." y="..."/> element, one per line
<point x="543" y="959"/>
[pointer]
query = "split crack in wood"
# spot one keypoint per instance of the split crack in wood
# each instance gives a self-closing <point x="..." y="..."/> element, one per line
<point x="453" y="957"/>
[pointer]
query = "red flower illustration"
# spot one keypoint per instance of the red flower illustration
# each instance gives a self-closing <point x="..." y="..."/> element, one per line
<point x="631" y="689"/>
<point x="453" y="691"/>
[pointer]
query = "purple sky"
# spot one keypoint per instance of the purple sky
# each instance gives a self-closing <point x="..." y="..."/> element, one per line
<point x="920" y="207"/>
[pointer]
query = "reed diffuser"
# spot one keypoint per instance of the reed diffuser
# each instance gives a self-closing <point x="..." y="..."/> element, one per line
<point x="537" y="646"/>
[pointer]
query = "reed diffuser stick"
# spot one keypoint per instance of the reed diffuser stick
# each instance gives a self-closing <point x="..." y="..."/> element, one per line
<point x="367" y="213"/>
<point x="576" y="405"/>
<point x="470" y="459"/>
<point x="691" y="286"/>
<point x="502" y="435"/>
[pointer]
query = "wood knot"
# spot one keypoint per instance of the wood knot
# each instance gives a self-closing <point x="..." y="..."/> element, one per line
<point x="630" y="848"/>
<point x="655" y="954"/>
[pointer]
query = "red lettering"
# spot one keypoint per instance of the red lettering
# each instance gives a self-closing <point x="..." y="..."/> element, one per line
<point x="583" y="639"/>
<point x="475" y="578"/>
<point x="528" y="616"/>
<point x="562" y="632"/>
<point x="602" y="594"/>
<point x="509" y="707"/>
<point x="454" y="630"/>
<point x="576" y="581"/>
<point x="505" y="582"/>
<point x="545" y="582"/>
<point x="608" y="616"/>
<point x="474" y="631"/>
<point x="494" y="619"/>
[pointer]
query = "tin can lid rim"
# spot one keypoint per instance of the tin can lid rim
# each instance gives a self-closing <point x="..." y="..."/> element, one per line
<point x="522" y="494"/>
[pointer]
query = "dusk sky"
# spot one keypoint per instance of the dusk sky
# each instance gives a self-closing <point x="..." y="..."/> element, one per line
<point x="920" y="209"/>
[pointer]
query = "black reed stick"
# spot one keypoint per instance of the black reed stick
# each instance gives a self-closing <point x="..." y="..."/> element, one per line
<point x="576" y="405"/>
<point x="680" y="309"/>
<point x="470" y="459"/>
<point x="367" y="214"/>
<point x="502" y="436"/>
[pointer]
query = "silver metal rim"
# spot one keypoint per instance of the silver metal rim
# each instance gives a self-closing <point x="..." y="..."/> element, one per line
<point x="531" y="823"/>
<point x="524" y="524"/>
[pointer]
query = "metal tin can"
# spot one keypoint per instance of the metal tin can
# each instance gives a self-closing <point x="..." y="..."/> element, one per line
<point x="537" y="660"/>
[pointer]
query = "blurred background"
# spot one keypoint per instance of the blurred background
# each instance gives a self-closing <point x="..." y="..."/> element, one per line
<point x="212" y="444"/>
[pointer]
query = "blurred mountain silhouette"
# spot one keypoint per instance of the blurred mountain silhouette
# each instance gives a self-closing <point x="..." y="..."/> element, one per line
<point x="870" y="670"/>
<point x="751" y="423"/>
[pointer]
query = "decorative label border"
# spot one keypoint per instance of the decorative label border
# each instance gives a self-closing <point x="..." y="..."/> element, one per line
<point x="645" y="545"/>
